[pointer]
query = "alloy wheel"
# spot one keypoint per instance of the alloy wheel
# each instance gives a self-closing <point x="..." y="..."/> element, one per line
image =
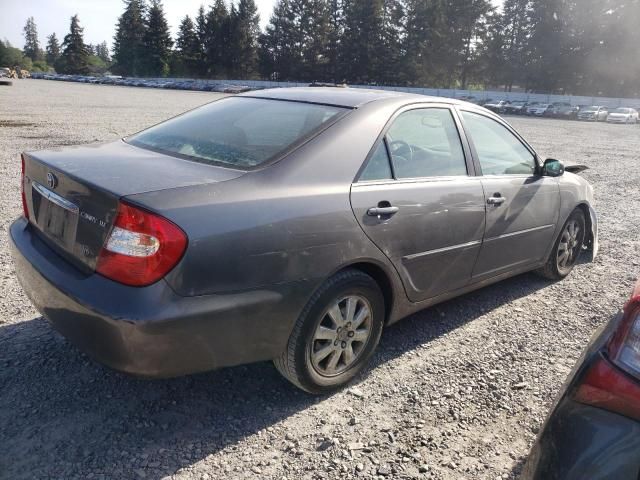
<point x="570" y="245"/>
<point x="341" y="335"/>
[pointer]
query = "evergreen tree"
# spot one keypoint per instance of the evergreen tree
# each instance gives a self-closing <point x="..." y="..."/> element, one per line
<point x="31" y="42"/>
<point x="75" y="57"/>
<point x="217" y="48"/>
<point x="188" y="46"/>
<point x="278" y="52"/>
<point x="203" y="38"/>
<point x="425" y="43"/>
<point x="128" y="41"/>
<point x="510" y="41"/>
<point x="363" y="40"/>
<point x="243" y="34"/>
<point x="157" y="41"/>
<point x="549" y="46"/>
<point x="53" y="49"/>
<point x="102" y="52"/>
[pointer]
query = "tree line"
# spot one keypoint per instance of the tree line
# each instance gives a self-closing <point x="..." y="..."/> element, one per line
<point x="580" y="47"/>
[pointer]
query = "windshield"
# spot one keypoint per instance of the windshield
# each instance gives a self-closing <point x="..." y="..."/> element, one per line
<point x="622" y="110"/>
<point x="239" y="132"/>
<point x="591" y="109"/>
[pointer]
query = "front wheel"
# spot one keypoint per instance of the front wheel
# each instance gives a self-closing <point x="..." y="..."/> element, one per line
<point x="335" y="335"/>
<point x="567" y="248"/>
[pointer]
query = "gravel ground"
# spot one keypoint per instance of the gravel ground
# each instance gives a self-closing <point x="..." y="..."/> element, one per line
<point x="457" y="391"/>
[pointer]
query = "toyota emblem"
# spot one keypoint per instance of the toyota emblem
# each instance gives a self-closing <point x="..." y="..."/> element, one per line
<point x="52" y="181"/>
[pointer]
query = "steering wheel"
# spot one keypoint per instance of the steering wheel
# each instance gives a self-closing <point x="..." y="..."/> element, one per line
<point x="400" y="148"/>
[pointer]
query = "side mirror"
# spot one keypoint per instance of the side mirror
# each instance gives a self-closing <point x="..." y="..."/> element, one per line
<point x="553" y="168"/>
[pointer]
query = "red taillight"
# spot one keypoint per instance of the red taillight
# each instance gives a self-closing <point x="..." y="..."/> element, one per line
<point x="25" y="208"/>
<point x="613" y="383"/>
<point x="141" y="248"/>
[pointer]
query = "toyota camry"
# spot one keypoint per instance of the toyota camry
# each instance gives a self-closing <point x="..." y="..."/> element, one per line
<point x="290" y="225"/>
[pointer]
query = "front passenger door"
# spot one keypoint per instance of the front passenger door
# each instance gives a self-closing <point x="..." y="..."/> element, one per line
<point x="522" y="206"/>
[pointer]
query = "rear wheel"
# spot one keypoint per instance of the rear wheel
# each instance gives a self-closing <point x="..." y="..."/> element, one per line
<point x="335" y="335"/>
<point x="567" y="248"/>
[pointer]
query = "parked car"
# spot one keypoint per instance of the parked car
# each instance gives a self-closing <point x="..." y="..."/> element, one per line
<point x="593" y="430"/>
<point x="555" y="108"/>
<point x="498" y="107"/>
<point x="593" y="114"/>
<point x="290" y="224"/>
<point x="516" y="108"/>
<point x="623" y="115"/>
<point x="566" y="112"/>
<point x="539" y="109"/>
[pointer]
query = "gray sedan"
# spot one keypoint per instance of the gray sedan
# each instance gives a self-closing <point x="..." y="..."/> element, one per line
<point x="289" y="225"/>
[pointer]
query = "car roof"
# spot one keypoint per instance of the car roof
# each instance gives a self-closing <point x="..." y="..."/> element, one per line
<point x="341" y="96"/>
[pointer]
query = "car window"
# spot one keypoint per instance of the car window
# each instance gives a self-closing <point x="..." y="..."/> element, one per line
<point x="425" y="143"/>
<point x="240" y="132"/>
<point x="378" y="167"/>
<point x="500" y="152"/>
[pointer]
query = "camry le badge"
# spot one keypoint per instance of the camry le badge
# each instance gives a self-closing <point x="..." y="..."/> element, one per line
<point x="52" y="181"/>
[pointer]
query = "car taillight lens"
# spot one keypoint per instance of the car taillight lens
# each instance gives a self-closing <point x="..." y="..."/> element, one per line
<point x="613" y="383"/>
<point x="25" y="208"/>
<point x="141" y="248"/>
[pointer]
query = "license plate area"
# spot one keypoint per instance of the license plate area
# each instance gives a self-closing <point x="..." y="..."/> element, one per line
<point x="55" y="216"/>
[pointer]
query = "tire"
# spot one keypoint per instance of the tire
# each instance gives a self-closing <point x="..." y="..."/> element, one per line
<point x="558" y="265"/>
<point x="314" y="373"/>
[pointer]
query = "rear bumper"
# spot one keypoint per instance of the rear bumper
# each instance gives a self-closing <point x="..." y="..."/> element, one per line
<point x="581" y="442"/>
<point x="152" y="331"/>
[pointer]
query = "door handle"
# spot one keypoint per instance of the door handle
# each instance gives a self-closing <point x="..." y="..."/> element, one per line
<point x="382" y="211"/>
<point x="497" y="199"/>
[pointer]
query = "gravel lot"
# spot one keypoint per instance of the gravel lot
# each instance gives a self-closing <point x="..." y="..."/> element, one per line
<point x="457" y="391"/>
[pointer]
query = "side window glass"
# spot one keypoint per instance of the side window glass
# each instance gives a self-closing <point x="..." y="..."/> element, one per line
<point x="425" y="143"/>
<point x="378" y="167"/>
<point x="500" y="152"/>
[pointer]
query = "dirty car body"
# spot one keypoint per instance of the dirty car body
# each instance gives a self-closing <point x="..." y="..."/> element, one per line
<point x="252" y="236"/>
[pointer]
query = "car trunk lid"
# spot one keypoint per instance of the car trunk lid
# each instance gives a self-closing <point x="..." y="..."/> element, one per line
<point x="72" y="195"/>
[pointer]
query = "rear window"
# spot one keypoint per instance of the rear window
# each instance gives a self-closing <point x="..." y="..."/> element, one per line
<point x="238" y="132"/>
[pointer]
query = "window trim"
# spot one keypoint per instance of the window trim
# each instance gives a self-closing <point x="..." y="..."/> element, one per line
<point x="500" y="121"/>
<point x="472" y="171"/>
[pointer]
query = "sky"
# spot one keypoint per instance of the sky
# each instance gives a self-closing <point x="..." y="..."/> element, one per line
<point x="98" y="17"/>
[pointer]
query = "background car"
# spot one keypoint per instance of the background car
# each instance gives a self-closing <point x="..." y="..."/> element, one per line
<point x="497" y="107"/>
<point x="289" y="225"/>
<point x="593" y="431"/>
<point x="516" y="108"/>
<point x="539" y="109"/>
<point x="623" y="115"/>
<point x="566" y="112"/>
<point x="593" y="114"/>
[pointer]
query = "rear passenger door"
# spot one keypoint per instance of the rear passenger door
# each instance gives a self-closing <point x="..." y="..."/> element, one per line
<point x="522" y="206"/>
<point x="418" y="199"/>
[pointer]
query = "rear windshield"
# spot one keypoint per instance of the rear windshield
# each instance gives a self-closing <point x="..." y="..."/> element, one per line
<point x="238" y="132"/>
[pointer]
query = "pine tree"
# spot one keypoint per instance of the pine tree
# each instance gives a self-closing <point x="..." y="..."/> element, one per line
<point x="244" y="30"/>
<point x="53" y="49"/>
<point x="75" y="57"/>
<point x="278" y="56"/>
<point x="188" y="46"/>
<point x="128" y="41"/>
<point x="31" y="42"/>
<point x="549" y="46"/>
<point x="203" y="38"/>
<point x="217" y="48"/>
<point x="509" y="45"/>
<point x="102" y="51"/>
<point x="363" y="40"/>
<point x="157" y="41"/>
